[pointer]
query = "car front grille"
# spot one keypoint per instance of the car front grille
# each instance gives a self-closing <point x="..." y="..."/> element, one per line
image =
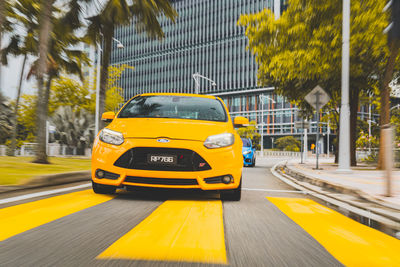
<point x="160" y="181"/>
<point x="187" y="160"/>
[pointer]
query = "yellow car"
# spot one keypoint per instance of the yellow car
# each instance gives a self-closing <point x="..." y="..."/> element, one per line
<point x="170" y="141"/>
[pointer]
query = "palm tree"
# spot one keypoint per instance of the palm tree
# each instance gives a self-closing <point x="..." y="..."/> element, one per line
<point x="25" y="14"/>
<point x="145" y="13"/>
<point x="74" y="129"/>
<point x="58" y="58"/>
<point x="5" y="122"/>
<point x="45" y="21"/>
<point x="5" y="24"/>
<point x="2" y="13"/>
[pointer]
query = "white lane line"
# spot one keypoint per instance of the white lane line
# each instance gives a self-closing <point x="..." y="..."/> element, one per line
<point x="44" y="193"/>
<point x="273" y="190"/>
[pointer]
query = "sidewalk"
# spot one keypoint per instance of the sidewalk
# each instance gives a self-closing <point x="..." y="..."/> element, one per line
<point x="48" y="180"/>
<point x="365" y="181"/>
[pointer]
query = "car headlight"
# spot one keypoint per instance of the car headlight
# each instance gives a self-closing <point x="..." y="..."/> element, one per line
<point x="219" y="140"/>
<point x="111" y="137"/>
<point x="247" y="152"/>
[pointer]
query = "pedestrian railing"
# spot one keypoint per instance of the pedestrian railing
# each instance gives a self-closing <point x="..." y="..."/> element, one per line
<point x="291" y="154"/>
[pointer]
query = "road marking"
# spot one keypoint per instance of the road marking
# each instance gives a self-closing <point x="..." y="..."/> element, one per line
<point x="178" y="230"/>
<point x="44" y="193"/>
<point x="274" y="190"/>
<point x="20" y="218"/>
<point x="352" y="243"/>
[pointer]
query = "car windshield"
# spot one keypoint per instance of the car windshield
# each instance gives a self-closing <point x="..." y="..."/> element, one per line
<point x="246" y="142"/>
<point x="179" y="107"/>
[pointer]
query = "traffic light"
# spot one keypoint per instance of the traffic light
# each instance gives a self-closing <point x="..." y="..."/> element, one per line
<point x="393" y="29"/>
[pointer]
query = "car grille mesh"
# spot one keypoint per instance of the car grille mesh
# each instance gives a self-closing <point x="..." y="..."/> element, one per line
<point x="160" y="181"/>
<point x="187" y="160"/>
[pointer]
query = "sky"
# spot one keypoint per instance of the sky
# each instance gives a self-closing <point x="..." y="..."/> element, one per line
<point x="10" y="78"/>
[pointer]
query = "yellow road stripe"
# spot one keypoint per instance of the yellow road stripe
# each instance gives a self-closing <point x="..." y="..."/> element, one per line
<point x="20" y="218"/>
<point x="352" y="243"/>
<point x="190" y="231"/>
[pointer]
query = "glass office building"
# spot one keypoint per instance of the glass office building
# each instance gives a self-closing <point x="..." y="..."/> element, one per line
<point x="206" y="40"/>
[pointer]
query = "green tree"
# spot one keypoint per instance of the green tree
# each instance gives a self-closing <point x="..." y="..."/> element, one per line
<point x="74" y="128"/>
<point x="69" y="92"/>
<point x="26" y="123"/>
<point x="114" y="98"/>
<point x="252" y="133"/>
<point x="24" y="13"/>
<point x="5" y="122"/>
<point x="5" y="24"/>
<point x="394" y="46"/>
<point x="288" y="143"/>
<point x="146" y="14"/>
<point x="303" y="49"/>
<point x="56" y="35"/>
<point x="45" y="21"/>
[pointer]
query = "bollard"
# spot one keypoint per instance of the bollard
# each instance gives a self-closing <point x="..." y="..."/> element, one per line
<point x="388" y="158"/>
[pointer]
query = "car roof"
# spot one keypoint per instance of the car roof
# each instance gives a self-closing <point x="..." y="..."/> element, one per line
<point x="179" y="94"/>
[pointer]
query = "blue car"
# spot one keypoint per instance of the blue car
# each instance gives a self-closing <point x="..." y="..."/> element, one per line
<point x="249" y="153"/>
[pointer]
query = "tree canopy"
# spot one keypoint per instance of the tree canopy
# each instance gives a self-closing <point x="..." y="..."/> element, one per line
<point x="288" y="143"/>
<point x="252" y="133"/>
<point x="302" y="49"/>
<point x="75" y="98"/>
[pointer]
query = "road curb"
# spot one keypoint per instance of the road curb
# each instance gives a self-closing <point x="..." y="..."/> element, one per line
<point x="49" y="180"/>
<point x="339" y="188"/>
<point x="383" y="222"/>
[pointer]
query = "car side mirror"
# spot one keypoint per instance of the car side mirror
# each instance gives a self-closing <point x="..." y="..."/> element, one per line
<point x="240" y="122"/>
<point x="108" y="116"/>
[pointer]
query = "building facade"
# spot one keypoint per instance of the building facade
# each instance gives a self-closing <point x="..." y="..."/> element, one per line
<point x="207" y="40"/>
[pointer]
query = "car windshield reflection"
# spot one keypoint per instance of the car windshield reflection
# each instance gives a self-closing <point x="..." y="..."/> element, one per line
<point x="177" y="107"/>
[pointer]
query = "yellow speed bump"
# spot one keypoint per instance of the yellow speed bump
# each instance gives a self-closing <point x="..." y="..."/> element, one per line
<point x="350" y="242"/>
<point x="20" y="218"/>
<point x="189" y="231"/>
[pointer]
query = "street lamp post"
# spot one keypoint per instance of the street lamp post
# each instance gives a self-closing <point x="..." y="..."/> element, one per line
<point x="96" y="121"/>
<point x="369" y="124"/>
<point x="344" y="134"/>
<point x="328" y="131"/>
<point x="262" y="121"/>
<point x="196" y="76"/>
<point x="99" y="57"/>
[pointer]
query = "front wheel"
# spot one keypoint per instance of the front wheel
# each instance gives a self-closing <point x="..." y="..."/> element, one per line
<point x="103" y="189"/>
<point x="232" y="195"/>
<point x="253" y="163"/>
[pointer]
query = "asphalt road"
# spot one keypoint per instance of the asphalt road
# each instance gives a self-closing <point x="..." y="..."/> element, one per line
<point x="271" y="226"/>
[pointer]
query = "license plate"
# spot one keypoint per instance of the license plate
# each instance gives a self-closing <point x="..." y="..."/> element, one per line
<point x="162" y="159"/>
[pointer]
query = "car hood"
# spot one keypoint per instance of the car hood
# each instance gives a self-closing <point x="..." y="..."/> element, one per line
<point x="168" y="128"/>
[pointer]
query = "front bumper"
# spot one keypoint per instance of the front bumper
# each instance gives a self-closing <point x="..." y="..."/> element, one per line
<point x="248" y="159"/>
<point x="223" y="161"/>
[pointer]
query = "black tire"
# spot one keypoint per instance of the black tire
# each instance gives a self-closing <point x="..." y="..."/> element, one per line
<point x="253" y="163"/>
<point x="232" y="195"/>
<point x="103" y="189"/>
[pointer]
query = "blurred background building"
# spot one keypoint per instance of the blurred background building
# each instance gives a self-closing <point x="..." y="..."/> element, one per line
<point x="207" y="40"/>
